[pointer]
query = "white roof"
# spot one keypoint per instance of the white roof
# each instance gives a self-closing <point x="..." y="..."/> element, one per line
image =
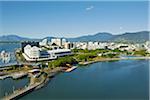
<point x="33" y="70"/>
<point x="35" y="48"/>
<point x="58" y="50"/>
<point x="27" y="46"/>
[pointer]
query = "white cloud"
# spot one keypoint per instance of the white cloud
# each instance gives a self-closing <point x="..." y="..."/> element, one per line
<point x="89" y="8"/>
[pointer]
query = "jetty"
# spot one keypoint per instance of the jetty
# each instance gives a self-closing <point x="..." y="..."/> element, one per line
<point x="21" y="92"/>
<point x="71" y="69"/>
<point x="8" y="64"/>
<point x="15" y="75"/>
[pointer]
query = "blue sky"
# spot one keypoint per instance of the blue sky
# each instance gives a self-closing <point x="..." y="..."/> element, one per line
<point x="72" y="19"/>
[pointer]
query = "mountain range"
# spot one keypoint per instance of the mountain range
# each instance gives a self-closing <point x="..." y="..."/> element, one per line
<point x="7" y="38"/>
<point x="141" y="36"/>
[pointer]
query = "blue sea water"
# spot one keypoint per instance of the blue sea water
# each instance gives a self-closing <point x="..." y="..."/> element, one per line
<point x="119" y="80"/>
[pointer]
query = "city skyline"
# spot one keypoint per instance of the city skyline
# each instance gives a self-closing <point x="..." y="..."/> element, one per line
<point x="72" y="19"/>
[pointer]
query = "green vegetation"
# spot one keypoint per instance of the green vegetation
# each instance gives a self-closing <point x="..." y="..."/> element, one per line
<point x="81" y="55"/>
<point x="97" y="51"/>
<point x="141" y="53"/>
<point x="86" y="54"/>
<point x="110" y="55"/>
<point x="17" y="68"/>
<point x="19" y="56"/>
<point x="84" y="57"/>
<point x="90" y="51"/>
<point x="80" y="50"/>
<point x="62" y="61"/>
<point x="117" y="50"/>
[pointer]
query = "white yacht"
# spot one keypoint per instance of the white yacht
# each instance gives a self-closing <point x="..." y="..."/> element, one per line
<point x="5" y="57"/>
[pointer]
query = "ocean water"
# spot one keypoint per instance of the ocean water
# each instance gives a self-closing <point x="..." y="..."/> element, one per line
<point x="118" y="80"/>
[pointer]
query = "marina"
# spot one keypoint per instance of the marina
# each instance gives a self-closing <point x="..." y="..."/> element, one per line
<point x="32" y="85"/>
<point x="20" y="92"/>
<point x="28" y="88"/>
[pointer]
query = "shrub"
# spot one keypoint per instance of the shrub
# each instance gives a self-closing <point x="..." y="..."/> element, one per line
<point x="141" y="52"/>
<point x="62" y="61"/>
<point x="85" y="57"/>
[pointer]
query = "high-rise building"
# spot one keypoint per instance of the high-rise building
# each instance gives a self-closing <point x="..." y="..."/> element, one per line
<point x="64" y="41"/>
<point x="44" y="42"/>
<point x="68" y="45"/>
<point x="57" y="41"/>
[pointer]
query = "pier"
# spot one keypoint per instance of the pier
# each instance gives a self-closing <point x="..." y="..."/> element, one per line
<point x="14" y="75"/>
<point x="71" y="69"/>
<point x="20" y="92"/>
<point x="9" y="64"/>
<point x="21" y="73"/>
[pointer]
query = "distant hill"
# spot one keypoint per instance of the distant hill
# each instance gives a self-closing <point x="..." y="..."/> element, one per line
<point x="125" y="37"/>
<point x="97" y="37"/>
<point x="141" y="36"/>
<point x="14" y="38"/>
<point x="132" y="37"/>
<point x="49" y="38"/>
<point x="11" y="38"/>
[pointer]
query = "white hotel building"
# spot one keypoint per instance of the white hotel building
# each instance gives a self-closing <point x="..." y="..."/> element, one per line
<point x="37" y="54"/>
<point x="32" y="52"/>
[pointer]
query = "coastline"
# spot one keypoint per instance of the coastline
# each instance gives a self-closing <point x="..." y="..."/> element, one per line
<point x="111" y="59"/>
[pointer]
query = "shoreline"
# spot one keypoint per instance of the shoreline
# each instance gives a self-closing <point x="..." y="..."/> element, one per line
<point x="112" y="59"/>
<point x="89" y="62"/>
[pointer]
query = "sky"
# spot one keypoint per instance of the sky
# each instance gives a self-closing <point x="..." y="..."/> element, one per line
<point x="72" y="19"/>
